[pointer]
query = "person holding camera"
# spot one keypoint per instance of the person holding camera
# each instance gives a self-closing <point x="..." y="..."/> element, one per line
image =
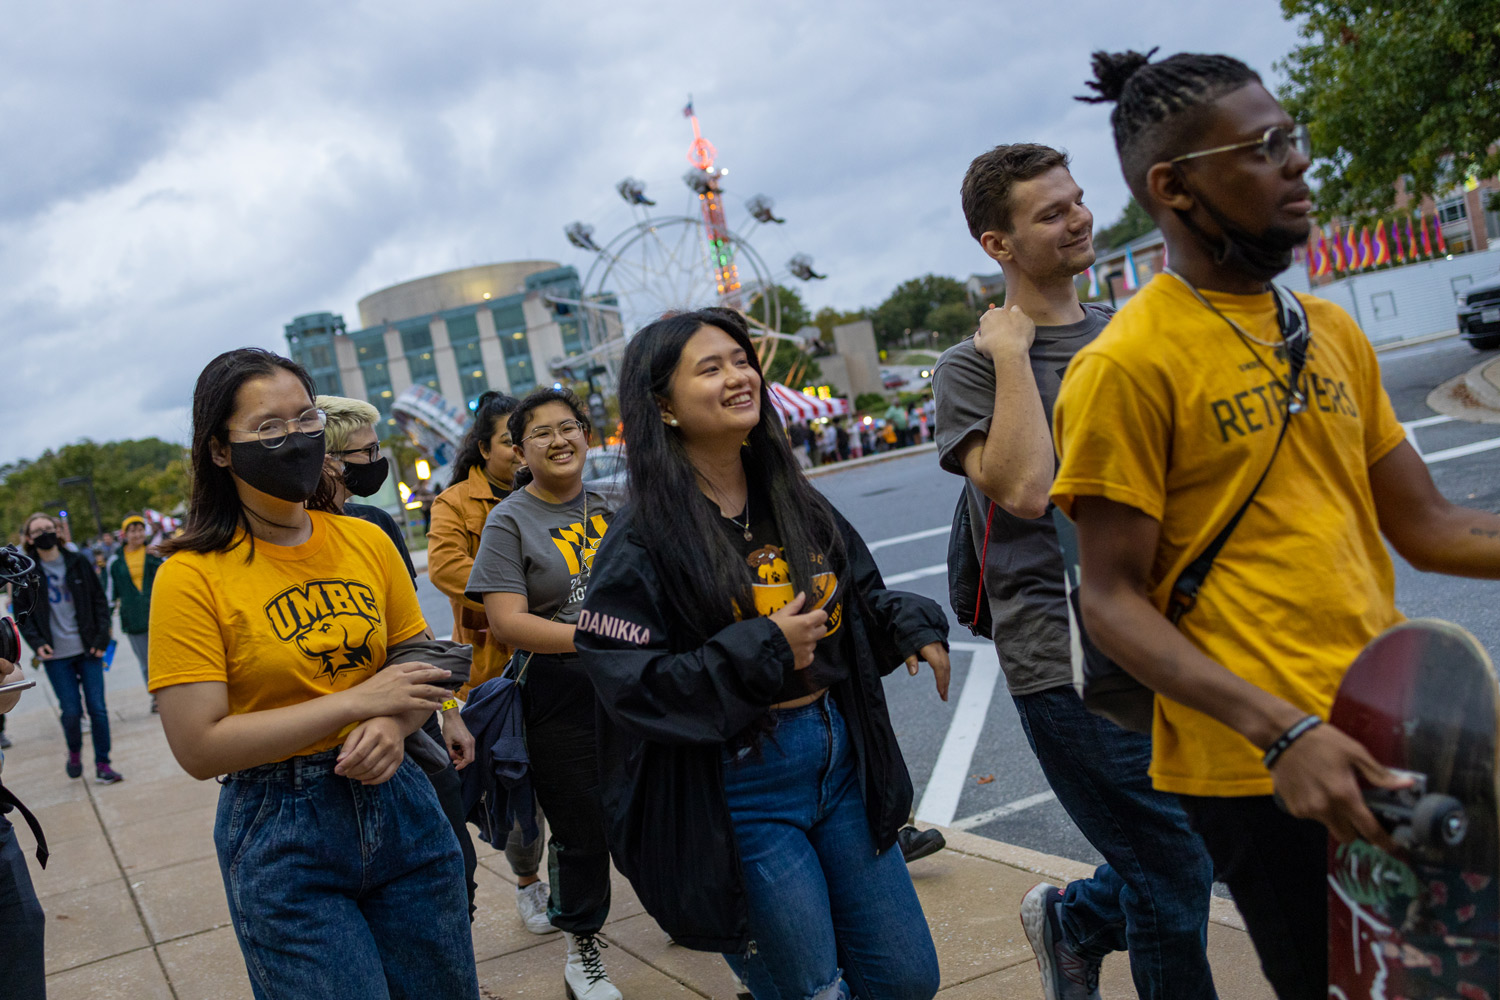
<point x="69" y="632"/>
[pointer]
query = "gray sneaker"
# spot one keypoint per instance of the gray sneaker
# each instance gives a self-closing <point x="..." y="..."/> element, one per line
<point x="1066" y="974"/>
<point x="531" y="904"/>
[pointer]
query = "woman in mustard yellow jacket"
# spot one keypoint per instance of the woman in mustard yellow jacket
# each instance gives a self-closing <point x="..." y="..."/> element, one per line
<point x="482" y="477"/>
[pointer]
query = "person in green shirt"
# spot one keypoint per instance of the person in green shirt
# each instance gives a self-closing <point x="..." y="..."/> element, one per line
<point x="130" y="574"/>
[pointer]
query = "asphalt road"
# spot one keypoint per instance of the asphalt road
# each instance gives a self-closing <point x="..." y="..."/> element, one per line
<point x="997" y="790"/>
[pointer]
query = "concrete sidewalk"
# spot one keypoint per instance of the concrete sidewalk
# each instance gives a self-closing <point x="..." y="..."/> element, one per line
<point x="135" y="906"/>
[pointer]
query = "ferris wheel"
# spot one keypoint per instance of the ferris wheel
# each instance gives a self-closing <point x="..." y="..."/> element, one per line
<point x="690" y="258"/>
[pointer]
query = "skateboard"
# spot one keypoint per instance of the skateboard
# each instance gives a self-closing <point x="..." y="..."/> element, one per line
<point x="1421" y="923"/>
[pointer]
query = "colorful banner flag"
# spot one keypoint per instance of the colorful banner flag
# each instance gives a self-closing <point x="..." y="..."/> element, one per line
<point x="1351" y="251"/>
<point x="1325" y="263"/>
<point x="1398" y="243"/>
<point x="1336" y="252"/>
<point x="1132" y="280"/>
<point x="1366" y="249"/>
<point x="1093" y="284"/>
<point x="1411" y="240"/>
<point x="1314" y="256"/>
<point x="1426" y="237"/>
<point x="1382" y="245"/>
<point x="1437" y="225"/>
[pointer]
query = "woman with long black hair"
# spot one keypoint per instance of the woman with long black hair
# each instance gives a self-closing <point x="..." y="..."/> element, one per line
<point x="531" y="573"/>
<point x="737" y="630"/>
<point x="270" y="626"/>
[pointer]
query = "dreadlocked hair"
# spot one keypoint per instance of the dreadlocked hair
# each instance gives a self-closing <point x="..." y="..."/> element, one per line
<point x="1159" y="106"/>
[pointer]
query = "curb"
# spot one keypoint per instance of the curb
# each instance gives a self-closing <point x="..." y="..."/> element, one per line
<point x="1483" y="383"/>
<point x="1426" y="338"/>
<point x="884" y="456"/>
<point x="1056" y="869"/>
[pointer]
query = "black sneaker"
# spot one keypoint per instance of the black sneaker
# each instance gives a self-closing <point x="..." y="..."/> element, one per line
<point x="1066" y="974"/>
<point x="917" y="844"/>
<point x="106" y="775"/>
<point x="5" y="743"/>
<point x="74" y="767"/>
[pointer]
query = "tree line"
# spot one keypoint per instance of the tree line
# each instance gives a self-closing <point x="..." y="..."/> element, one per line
<point x="126" y="476"/>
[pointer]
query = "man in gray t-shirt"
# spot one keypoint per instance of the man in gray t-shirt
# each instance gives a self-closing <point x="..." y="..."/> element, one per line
<point x="1023" y="568"/>
<point x="994" y="406"/>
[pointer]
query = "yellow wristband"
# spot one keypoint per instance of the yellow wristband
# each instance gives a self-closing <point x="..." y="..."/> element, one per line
<point x="450" y="703"/>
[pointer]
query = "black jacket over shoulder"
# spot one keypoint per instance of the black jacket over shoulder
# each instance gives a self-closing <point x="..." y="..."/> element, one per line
<point x="89" y="603"/>
<point x="669" y="707"/>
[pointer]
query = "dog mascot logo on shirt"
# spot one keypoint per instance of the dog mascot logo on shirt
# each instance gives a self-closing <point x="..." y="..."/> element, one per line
<point x="330" y="621"/>
<point x="774" y="590"/>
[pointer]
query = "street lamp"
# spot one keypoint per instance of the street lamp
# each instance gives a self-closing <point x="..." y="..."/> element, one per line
<point x="93" y="498"/>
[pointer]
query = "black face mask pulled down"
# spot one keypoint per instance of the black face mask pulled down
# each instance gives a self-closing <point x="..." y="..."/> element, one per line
<point x="1260" y="257"/>
<point x="290" y="472"/>
<point x="364" y="479"/>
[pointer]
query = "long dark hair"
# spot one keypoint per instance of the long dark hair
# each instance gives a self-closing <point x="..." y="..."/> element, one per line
<point x="215" y="515"/>
<point x="705" y="578"/>
<point x="488" y="412"/>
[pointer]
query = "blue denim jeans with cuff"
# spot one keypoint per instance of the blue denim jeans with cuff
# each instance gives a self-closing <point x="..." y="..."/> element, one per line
<point x="344" y="891"/>
<point x="68" y="675"/>
<point x="830" y="917"/>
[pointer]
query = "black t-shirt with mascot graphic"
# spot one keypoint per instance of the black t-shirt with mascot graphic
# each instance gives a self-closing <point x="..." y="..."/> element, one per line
<point x="774" y="589"/>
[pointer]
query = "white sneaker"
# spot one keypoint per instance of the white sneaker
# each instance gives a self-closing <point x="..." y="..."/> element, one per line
<point x="531" y="904"/>
<point x="584" y="977"/>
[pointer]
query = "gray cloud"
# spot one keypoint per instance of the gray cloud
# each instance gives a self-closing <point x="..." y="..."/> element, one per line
<point x="185" y="178"/>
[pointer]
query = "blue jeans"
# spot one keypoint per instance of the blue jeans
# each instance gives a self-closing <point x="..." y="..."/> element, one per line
<point x="343" y="891"/>
<point x="824" y="904"/>
<point x="67" y="676"/>
<point x="1151" y="896"/>
<point x="22" y="923"/>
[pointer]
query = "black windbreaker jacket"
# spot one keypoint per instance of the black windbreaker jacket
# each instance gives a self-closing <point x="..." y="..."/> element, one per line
<point x="667" y="709"/>
<point x="89" y="603"/>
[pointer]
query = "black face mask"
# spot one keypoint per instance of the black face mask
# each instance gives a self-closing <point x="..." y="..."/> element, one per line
<point x="290" y="472"/>
<point x="363" y="480"/>
<point x="1259" y="256"/>
<point x="46" y="540"/>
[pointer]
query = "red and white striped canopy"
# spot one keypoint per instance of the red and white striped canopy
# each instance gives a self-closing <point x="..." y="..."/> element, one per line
<point x="794" y="406"/>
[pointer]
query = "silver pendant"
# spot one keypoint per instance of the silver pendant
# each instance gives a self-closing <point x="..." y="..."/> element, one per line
<point x="749" y="537"/>
<point x="1297" y="403"/>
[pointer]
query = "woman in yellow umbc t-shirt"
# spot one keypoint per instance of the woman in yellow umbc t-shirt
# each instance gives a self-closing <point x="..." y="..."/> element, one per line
<point x="270" y="625"/>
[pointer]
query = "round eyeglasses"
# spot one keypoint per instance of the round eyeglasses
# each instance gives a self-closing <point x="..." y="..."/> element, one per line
<point x="272" y="433"/>
<point x="1276" y="145"/>
<point x="570" y="429"/>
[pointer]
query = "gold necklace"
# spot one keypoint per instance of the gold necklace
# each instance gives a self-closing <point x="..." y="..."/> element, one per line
<point x="749" y="536"/>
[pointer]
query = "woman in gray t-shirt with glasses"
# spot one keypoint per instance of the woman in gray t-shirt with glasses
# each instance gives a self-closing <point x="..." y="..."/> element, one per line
<point x="531" y="573"/>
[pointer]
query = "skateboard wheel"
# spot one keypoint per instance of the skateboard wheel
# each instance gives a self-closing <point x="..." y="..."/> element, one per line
<point x="1439" y="821"/>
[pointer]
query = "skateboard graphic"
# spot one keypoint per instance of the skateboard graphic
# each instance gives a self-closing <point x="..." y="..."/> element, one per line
<point x="1421" y="924"/>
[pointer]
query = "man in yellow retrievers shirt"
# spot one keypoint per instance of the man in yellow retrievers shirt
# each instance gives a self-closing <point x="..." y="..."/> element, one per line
<point x="1165" y="423"/>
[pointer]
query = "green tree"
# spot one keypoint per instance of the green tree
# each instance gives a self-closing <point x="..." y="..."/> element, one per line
<point x="127" y="476"/>
<point x="953" y="320"/>
<point x="1133" y="222"/>
<point x="1400" y="88"/>
<point x="910" y="305"/>
<point x="785" y="360"/>
<point x="829" y="317"/>
<point x="794" y="314"/>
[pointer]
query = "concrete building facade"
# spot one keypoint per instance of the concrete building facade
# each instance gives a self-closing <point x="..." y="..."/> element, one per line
<point x="460" y="333"/>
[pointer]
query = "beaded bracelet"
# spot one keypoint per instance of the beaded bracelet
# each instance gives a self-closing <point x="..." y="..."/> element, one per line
<point x="1287" y="738"/>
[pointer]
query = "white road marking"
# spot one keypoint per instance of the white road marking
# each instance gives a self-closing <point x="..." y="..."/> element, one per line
<point x="917" y="574"/>
<point x="1000" y="812"/>
<point x="1412" y="425"/>
<point x="1473" y="448"/>
<point x="951" y="770"/>
<point x="914" y="536"/>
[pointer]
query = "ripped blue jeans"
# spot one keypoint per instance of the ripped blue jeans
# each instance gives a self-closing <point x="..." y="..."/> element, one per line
<point x="830" y="917"/>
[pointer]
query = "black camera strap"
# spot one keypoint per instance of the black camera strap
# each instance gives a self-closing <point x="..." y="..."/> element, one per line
<point x="8" y="798"/>
<point x="1296" y="335"/>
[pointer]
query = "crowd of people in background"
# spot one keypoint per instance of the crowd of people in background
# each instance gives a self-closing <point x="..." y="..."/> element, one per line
<point x="683" y="675"/>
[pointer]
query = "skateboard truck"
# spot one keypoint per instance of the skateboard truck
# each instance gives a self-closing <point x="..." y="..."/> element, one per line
<point x="1416" y="820"/>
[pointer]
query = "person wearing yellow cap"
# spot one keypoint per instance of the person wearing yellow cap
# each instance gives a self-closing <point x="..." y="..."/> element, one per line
<point x="130" y="574"/>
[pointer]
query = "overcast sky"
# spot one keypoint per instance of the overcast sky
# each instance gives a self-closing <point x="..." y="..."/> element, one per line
<point x="181" y="178"/>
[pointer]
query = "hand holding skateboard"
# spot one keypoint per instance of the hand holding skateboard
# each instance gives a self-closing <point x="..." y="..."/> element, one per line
<point x="1318" y="777"/>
